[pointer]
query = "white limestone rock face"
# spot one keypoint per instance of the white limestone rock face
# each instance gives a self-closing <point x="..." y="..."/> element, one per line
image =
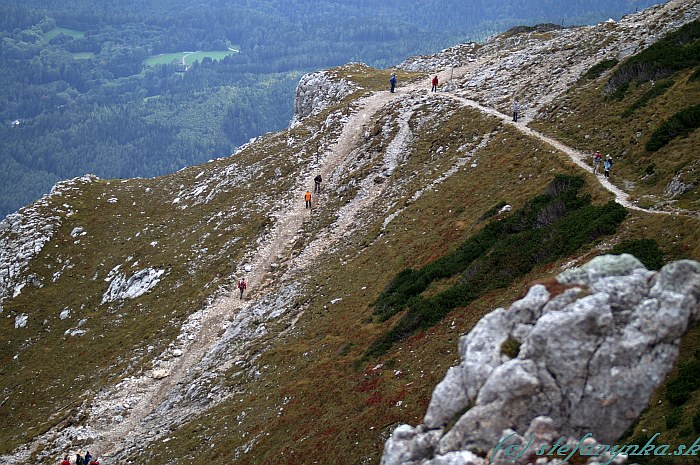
<point x="592" y="350"/>
<point x="317" y="91"/>
<point x="122" y="287"/>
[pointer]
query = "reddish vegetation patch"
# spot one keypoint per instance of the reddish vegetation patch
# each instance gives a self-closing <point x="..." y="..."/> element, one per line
<point x="553" y="287"/>
<point x="375" y="399"/>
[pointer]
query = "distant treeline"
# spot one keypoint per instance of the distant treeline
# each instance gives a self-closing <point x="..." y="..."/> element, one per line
<point x="82" y="101"/>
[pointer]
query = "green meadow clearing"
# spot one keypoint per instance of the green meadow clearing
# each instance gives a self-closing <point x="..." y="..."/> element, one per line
<point x="62" y="30"/>
<point x="189" y="57"/>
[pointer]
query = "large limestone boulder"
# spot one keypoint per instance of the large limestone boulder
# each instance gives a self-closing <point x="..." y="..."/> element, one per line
<point x="584" y="353"/>
<point x="317" y="91"/>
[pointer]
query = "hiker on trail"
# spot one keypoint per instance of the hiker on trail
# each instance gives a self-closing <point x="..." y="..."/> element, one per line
<point x="307" y="197"/>
<point x="597" y="158"/>
<point x="242" y="285"/>
<point x="607" y="165"/>
<point x="393" y="82"/>
<point x="516" y="109"/>
<point x="317" y="183"/>
<point x="87" y="458"/>
<point x="94" y="462"/>
<point x="79" y="459"/>
<point x="66" y="461"/>
<point x="435" y="84"/>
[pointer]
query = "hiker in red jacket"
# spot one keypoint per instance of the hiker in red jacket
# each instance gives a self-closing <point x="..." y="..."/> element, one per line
<point x="66" y="461"/>
<point x="435" y="84"/>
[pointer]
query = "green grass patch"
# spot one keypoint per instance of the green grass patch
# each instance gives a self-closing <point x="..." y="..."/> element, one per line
<point x="550" y="226"/>
<point x="679" y="125"/>
<point x="189" y="57"/>
<point x="510" y="347"/>
<point x="647" y="251"/>
<point x="83" y="55"/>
<point x="652" y="93"/>
<point x="55" y="32"/>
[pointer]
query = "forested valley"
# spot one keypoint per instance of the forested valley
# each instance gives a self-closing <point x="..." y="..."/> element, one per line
<point x="115" y="88"/>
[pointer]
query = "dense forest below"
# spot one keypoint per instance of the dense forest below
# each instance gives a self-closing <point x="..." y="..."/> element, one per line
<point x="83" y="90"/>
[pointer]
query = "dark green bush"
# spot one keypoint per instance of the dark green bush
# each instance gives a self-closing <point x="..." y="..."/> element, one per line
<point x="687" y="381"/>
<point x="677" y="51"/>
<point x="599" y="68"/>
<point x="696" y="422"/>
<point x="680" y="124"/>
<point x="550" y="226"/>
<point x="646" y="250"/>
<point x="674" y="417"/>
<point x="491" y="211"/>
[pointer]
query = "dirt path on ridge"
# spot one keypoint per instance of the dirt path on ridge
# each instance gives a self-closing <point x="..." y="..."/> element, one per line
<point x="152" y="392"/>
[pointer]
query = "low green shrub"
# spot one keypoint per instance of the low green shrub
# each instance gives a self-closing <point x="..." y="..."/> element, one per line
<point x="599" y="68"/>
<point x="550" y="226"/>
<point x="646" y="250"/>
<point x="686" y="382"/>
<point x="491" y="211"/>
<point x="674" y="417"/>
<point x="677" y="51"/>
<point x="679" y="125"/>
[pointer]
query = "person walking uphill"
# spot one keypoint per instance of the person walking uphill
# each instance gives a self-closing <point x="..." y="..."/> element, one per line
<point x="317" y="183"/>
<point x="307" y="198"/>
<point x="607" y="165"/>
<point x="435" y="84"/>
<point x="516" y="109"/>
<point x="392" y="81"/>
<point x="242" y="286"/>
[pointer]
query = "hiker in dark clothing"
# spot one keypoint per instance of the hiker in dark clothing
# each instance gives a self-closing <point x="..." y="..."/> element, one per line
<point x="393" y="82"/>
<point x="87" y="458"/>
<point x="242" y="286"/>
<point x="516" y="109"/>
<point x="79" y="459"/>
<point x="317" y="183"/>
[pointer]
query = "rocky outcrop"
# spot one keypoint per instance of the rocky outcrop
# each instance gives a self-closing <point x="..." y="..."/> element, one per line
<point x="141" y="282"/>
<point x="582" y="354"/>
<point x="317" y="91"/>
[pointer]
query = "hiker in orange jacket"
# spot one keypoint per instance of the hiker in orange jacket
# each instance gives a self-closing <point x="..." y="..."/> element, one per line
<point x="307" y="197"/>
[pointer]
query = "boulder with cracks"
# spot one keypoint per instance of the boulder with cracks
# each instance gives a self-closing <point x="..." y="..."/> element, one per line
<point x="584" y="352"/>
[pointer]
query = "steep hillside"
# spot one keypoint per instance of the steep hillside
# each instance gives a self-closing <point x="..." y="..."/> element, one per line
<point x="125" y="335"/>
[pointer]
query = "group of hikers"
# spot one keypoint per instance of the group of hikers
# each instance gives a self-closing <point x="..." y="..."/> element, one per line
<point x="598" y="160"/>
<point x="80" y="460"/>
<point x="607" y="164"/>
<point x="317" y="188"/>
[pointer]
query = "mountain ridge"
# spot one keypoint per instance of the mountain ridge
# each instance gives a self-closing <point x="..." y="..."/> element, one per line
<point x="377" y="152"/>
